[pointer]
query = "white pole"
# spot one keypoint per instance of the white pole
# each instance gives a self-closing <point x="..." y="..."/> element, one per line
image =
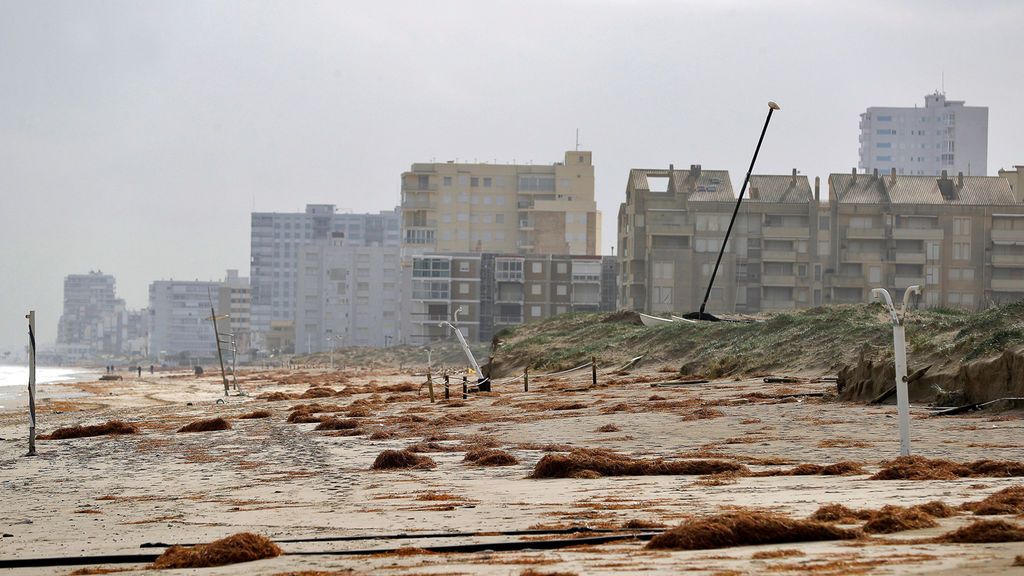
<point x="902" y="394"/>
<point x="31" y="383"/>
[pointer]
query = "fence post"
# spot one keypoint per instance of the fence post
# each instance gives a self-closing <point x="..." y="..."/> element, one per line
<point x="446" y="386"/>
<point x="526" y="379"/>
<point x="593" y="370"/>
<point x="464" y="390"/>
<point x="430" y="387"/>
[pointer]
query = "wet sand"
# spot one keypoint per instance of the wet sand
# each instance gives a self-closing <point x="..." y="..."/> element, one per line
<point x="109" y="495"/>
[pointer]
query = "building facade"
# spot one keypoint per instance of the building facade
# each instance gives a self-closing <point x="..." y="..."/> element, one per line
<point x="275" y="245"/>
<point x="179" y="319"/>
<point x="347" y="295"/>
<point x="672" y="226"/>
<point x="496" y="291"/>
<point x="503" y="208"/>
<point x="961" y="238"/>
<point x="93" y="321"/>
<point x="945" y="135"/>
<point x="235" y="299"/>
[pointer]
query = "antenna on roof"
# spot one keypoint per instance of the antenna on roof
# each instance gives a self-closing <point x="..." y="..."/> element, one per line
<point x="577" y="139"/>
<point x="943" y="82"/>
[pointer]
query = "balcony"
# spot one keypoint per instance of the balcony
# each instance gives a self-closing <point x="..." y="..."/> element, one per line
<point x="416" y="203"/>
<point x="507" y="320"/>
<point x="866" y="233"/>
<point x="776" y="305"/>
<point x="1008" y="285"/>
<point x="909" y="258"/>
<point x="917" y="233"/>
<point x="846" y="281"/>
<point x="414" y="186"/>
<point x="1008" y="260"/>
<point x="784" y="232"/>
<point x="788" y="280"/>
<point x="848" y="256"/>
<point x="904" y="282"/>
<point x="778" y="256"/>
<point x="1003" y="235"/>
<point x="525" y="225"/>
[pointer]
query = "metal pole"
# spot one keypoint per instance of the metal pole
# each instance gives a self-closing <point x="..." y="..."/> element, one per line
<point x="526" y="379"/>
<point x="593" y="370"/>
<point x="902" y="401"/>
<point x="31" y="383"/>
<point x="772" y="107"/>
<point x="446" y="387"/>
<point x="464" y="386"/>
<point x="220" y="354"/>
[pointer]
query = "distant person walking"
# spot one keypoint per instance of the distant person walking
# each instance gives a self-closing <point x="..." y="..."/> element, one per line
<point x="150" y="368"/>
<point x="140" y="371"/>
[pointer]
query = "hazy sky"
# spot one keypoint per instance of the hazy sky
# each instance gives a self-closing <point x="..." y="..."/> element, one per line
<point x="136" y="137"/>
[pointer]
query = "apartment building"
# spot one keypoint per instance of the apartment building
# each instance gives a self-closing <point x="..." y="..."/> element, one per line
<point x="275" y="245"/>
<point x="961" y="238"/>
<point x="497" y="291"/>
<point x="179" y="317"/>
<point x="673" y="223"/>
<point x="1015" y="178"/>
<point x="94" y="319"/>
<point x="945" y="135"/>
<point x="347" y="295"/>
<point x="455" y="207"/>
<point x="234" y="298"/>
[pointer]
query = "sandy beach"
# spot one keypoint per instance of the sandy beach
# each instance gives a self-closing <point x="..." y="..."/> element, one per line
<point x="109" y="495"/>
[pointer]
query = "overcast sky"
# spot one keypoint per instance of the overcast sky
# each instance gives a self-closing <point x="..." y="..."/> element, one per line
<point x="136" y="137"/>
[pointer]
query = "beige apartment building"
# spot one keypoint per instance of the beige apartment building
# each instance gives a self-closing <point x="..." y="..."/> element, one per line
<point x="506" y="208"/>
<point x="961" y="238"/>
<point x="672" y="226"/>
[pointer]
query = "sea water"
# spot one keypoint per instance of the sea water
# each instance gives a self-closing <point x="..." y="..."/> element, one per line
<point x="14" y="384"/>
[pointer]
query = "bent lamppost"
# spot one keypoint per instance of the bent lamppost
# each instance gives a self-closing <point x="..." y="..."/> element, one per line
<point x="899" y="344"/>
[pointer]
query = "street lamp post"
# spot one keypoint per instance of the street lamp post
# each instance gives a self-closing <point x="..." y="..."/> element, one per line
<point x="899" y="343"/>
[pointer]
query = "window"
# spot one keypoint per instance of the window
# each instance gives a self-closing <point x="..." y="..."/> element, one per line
<point x="430" y="268"/>
<point x="875" y="274"/>
<point x="463" y="287"/>
<point x="883" y="145"/>
<point x="535" y="289"/>
<point x="883" y="158"/>
<point x="562" y="268"/>
<point x="474" y="181"/>
<point x="953" y="298"/>
<point x="823" y="222"/>
<point x="967" y="299"/>
<point x="499" y="218"/>
<point x="535" y="311"/>
<point x="931" y="275"/>
<point x="663" y="295"/>
<point x="962" y="226"/>
<point x="561" y="289"/>
<point x="463" y="266"/>
<point x="537" y="183"/>
<point x="933" y="251"/>
<point x="423" y="182"/>
<point x="887" y="118"/>
<point x="487" y="182"/>
<point x="961" y="250"/>
<point x="536" y="267"/>
<point x="508" y="269"/>
<point x="447" y="180"/>
<point x="664" y="270"/>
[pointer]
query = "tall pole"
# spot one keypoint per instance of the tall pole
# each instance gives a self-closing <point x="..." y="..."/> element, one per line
<point x="772" y="107"/>
<point x="31" y="383"/>
<point x="220" y="353"/>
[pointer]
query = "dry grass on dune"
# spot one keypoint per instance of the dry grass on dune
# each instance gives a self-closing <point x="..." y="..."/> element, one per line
<point x="983" y="532"/>
<point x="256" y="414"/>
<point x="591" y="463"/>
<point x="242" y="547"/>
<point x="111" y="428"/>
<point x="921" y="468"/>
<point x="745" y="529"/>
<point x="401" y="459"/>
<point x="208" y="425"/>
<point x="490" y="457"/>
<point x="1006" y="501"/>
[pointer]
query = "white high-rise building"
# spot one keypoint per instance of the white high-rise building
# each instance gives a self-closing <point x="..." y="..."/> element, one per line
<point x="276" y="241"/>
<point x="347" y="295"/>
<point x="945" y="135"/>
